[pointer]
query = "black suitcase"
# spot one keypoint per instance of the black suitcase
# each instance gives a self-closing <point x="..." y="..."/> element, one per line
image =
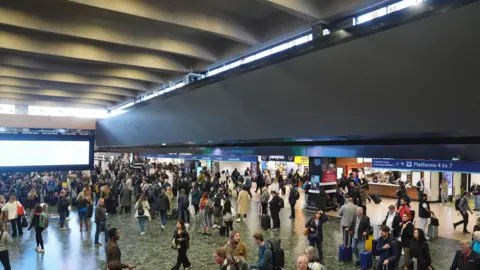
<point x="265" y="222"/>
<point x="222" y="231"/>
<point x="376" y="199"/>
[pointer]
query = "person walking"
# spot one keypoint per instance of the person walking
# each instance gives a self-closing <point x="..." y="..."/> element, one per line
<point x="183" y="205"/>
<point x="62" y="208"/>
<point x="242" y="202"/>
<point x="12" y="208"/>
<point x="100" y="222"/>
<point x="206" y="211"/>
<point x="419" y="252"/>
<point x="228" y="216"/>
<point x="406" y="235"/>
<point x="163" y="204"/>
<point x="247" y="184"/>
<point x="387" y="250"/>
<point x="444" y="191"/>
<point x="420" y="187"/>
<point x="276" y="204"/>
<point x="5" y="241"/>
<point x="38" y="221"/>
<point x="359" y="230"/>
<point x="142" y="212"/>
<point x="315" y="232"/>
<point x="462" y="209"/>
<point x="424" y="212"/>
<point x="293" y="197"/>
<point x="196" y="196"/>
<point x="181" y="242"/>
<point x="114" y="255"/>
<point x="465" y="258"/>
<point x="475" y="190"/>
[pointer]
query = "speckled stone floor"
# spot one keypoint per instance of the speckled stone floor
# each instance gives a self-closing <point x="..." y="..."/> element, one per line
<point x="73" y="250"/>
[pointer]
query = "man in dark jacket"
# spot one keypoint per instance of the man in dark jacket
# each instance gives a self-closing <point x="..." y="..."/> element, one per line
<point x="163" y="204"/>
<point x="183" y="204"/>
<point x="100" y="221"/>
<point x="276" y="204"/>
<point x="393" y="221"/>
<point x="62" y="208"/>
<point x="466" y="258"/>
<point x="387" y="250"/>
<point x="293" y="196"/>
<point x="359" y="230"/>
<point x="114" y="255"/>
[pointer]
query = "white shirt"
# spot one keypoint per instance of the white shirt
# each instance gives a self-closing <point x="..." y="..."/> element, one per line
<point x="390" y="218"/>
<point x="11" y="208"/>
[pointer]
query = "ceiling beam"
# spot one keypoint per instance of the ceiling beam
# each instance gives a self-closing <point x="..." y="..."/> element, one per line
<point x="304" y="9"/>
<point x="46" y="103"/>
<point x="79" y="68"/>
<point x="104" y="31"/>
<point x="59" y="93"/>
<point x="33" y="84"/>
<point x="104" y="103"/>
<point x="77" y="50"/>
<point x="184" y="16"/>
<point x="64" y="77"/>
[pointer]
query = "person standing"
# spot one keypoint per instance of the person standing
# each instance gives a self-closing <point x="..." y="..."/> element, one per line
<point x="419" y="252"/>
<point x="220" y="258"/>
<point x="62" y="208"/>
<point x="196" y="196"/>
<point x="236" y="248"/>
<point x="465" y="258"/>
<point x="293" y="196"/>
<point x="39" y="225"/>
<point x="100" y="221"/>
<point x="264" y="198"/>
<point x="228" y="216"/>
<point x="265" y="255"/>
<point x="420" y="187"/>
<point x="359" y="230"/>
<point x="125" y="200"/>
<point x="463" y="209"/>
<point x="183" y="204"/>
<point x="181" y="242"/>
<point x="302" y="263"/>
<point x="387" y="250"/>
<point x="475" y="190"/>
<point x="393" y="221"/>
<point x="114" y="255"/>
<point x="163" y="204"/>
<point x="444" y="191"/>
<point x="242" y="202"/>
<point x="276" y="204"/>
<point x="5" y="241"/>
<point x="406" y="235"/>
<point x="206" y="214"/>
<point x="142" y="212"/>
<point x="260" y="182"/>
<point x="315" y="232"/>
<point x="15" y="220"/>
<point x="347" y="212"/>
<point x="424" y="212"/>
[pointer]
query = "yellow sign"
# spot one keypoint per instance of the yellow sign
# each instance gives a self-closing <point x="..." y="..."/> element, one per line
<point x="302" y="160"/>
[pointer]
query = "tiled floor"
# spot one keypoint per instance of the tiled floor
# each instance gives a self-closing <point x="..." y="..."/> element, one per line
<point x="72" y="250"/>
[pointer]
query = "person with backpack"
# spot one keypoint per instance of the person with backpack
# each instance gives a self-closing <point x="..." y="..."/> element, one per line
<point x="293" y="197"/>
<point x="142" y="212"/>
<point x="387" y="250"/>
<point x="40" y="222"/>
<point x="5" y="241"/>
<point x="461" y="205"/>
<point x="260" y="182"/>
<point x="206" y="211"/>
<point x="247" y="184"/>
<point x="163" y="204"/>
<point x="276" y="204"/>
<point x="265" y="254"/>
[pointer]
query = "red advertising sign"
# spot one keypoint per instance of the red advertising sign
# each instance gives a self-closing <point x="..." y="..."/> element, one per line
<point x="329" y="175"/>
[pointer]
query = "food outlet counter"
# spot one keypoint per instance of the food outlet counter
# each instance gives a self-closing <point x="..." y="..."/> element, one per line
<point x="390" y="190"/>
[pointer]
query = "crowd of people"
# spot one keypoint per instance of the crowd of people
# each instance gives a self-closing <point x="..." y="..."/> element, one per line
<point x="151" y="192"/>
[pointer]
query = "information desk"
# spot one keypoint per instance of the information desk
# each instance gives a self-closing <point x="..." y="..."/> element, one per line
<point x="390" y="190"/>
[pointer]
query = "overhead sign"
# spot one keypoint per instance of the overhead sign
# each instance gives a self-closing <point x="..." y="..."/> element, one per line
<point x="427" y="165"/>
<point x="301" y="160"/>
<point x="278" y="158"/>
<point x="213" y="158"/>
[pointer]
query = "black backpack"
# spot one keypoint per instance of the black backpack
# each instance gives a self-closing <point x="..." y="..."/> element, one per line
<point x="296" y="194"/>
<point x="278" y="255"/>
<point x="141" y="212"/>
<point x="457" y="204"/>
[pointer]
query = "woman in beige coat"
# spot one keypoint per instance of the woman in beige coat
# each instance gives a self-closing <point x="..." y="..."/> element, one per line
<point x="242" y="202"/>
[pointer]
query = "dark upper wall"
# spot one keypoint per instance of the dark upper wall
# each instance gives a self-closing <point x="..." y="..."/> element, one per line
<point x="420" y="77"/>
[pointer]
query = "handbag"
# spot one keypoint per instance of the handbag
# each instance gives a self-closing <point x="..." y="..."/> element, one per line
<point x="24" y="222"/>
<point x="306" y="231"/>
<point x="20" y="210"/>
<point x="434" y="221"/>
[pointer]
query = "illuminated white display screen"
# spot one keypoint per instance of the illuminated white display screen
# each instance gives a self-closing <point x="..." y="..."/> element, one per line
<point x="44" y="153"/>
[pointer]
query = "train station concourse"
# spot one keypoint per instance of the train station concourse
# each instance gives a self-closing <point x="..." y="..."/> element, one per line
<point x="239" y="134"/>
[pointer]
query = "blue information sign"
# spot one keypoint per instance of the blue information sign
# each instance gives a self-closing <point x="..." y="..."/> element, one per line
<point x="427" y="165"/>
<point x="213" y="158"/>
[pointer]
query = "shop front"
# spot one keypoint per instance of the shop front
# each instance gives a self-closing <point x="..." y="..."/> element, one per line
<point x="284" y="164"/>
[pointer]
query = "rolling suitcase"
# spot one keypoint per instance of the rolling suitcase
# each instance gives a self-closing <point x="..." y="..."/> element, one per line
<point x="345" y="251"/>
<point x="222" y="231"/>
<point x="376" y="199"/>
<point x="366" y="258"/>
<point x="265" y="222"/>
<point x="432" y="232"/>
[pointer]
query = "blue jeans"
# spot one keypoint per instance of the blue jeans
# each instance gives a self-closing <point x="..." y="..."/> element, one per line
<point x="101" y="226"/>
<point x="184" y="215"/>
<point x="163" y="216"/>
<point x="142" y="221"/>
<point x="358" y="246"/>
<point x="63" y="215"/>
<point x="82" y="216"/>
